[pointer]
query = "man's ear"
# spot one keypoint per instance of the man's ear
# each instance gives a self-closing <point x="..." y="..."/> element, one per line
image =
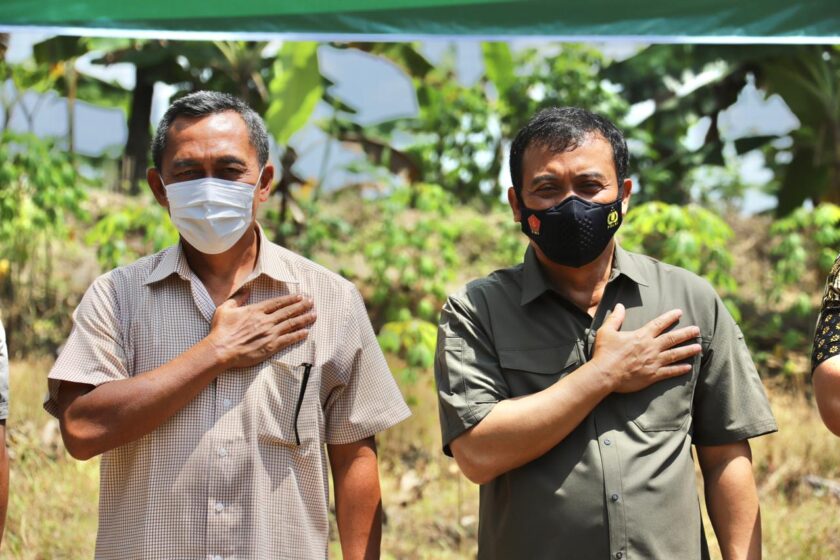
<point x="156" y="184"/>
<point x="625" y="198"/>
<point x="266" y="182"/>
<point x="513" y="200"/>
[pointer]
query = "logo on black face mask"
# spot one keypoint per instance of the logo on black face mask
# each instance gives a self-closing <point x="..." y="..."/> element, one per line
<point x="534" y="223"/>
<point x="612" y="219"/>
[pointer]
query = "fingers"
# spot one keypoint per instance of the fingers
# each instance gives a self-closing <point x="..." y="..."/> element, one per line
<point x="674" y="338"/>
<point x="672" y="371"/>
<point x="283" y="340"/>
<point x="273" y="304"/>
<point x="658" y="325"/>
<point x="287" y="312"/>
<point x="679" y="353"/>
<point x="615" y="319"/>
<point x="294" y="323"/>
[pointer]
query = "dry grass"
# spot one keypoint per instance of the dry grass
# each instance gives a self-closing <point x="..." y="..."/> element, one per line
<point x="52" y="497"/>
<point x="430" y="508"/>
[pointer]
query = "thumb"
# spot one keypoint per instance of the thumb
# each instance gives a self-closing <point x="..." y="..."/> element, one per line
<point x="615" y="319"/>
<point x="240" y="296"/>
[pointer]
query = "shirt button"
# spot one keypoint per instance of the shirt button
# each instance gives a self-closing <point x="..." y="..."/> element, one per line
<point x="614" y="498"/>
<point x="227" y="403"/>
<point x="219" y="507"/>
<point x="607" y="442"/>
<point x="618" y="555"/>
<point x="222" y="452"/>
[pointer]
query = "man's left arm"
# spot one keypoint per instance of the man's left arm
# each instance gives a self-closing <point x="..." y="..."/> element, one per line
<point x="730" y="407"/>
<point x="825" y="359"/>
<point x="358" y="499"/>
<point x="827" y="392"/>
<point x="364" y="400"/>
<point x="732" y="499"/>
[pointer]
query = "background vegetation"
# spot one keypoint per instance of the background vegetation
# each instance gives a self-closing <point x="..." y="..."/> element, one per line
<point x="424" y="217"/>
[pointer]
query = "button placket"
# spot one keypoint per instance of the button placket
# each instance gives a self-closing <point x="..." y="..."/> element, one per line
<point x="616" y="519"/>
<point x="221" y="452"/>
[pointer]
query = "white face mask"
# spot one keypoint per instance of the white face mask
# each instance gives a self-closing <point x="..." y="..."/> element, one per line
<point x="211" y="214"/>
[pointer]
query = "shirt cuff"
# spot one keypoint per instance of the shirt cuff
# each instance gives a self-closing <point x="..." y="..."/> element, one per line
<point x="756" y="429"/>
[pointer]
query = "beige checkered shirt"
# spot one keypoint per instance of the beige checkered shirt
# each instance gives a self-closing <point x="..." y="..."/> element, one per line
<point x="241" y="471"/>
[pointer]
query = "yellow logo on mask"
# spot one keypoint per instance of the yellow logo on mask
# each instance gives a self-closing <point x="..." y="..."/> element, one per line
<point x="612" y="219"/>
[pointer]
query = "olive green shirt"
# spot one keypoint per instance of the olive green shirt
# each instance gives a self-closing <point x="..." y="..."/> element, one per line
<point x="622" y="484"/>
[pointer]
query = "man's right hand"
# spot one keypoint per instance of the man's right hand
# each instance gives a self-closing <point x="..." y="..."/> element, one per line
<point x="636" y="359"/>
<point x="245" y="335"/>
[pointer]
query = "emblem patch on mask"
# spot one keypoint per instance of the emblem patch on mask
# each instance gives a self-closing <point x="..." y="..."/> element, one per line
<point x="612" y="219"/>
<point x="534" y="223"/>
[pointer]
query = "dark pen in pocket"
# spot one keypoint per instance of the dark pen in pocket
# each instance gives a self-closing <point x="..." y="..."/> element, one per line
<point x="306" y="369"/>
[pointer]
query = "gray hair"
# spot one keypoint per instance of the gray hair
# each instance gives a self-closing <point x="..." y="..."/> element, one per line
<point x="203" y="103"/>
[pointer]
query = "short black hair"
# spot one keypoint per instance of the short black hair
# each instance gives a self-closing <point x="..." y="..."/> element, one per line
<point x="203" y="103"/>
<point x="562" y="129"/>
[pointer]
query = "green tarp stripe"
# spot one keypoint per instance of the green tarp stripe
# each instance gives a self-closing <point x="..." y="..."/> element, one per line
<point x="703" y="18"/>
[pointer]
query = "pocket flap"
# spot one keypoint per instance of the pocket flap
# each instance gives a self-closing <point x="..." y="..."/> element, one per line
<point x="546" y="361"/>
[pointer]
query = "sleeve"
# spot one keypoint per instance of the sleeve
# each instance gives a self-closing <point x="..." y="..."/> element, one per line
<point x="827" y="333"/>
<point x="4" y="375"/>
<point x="94" y="354"/>
<point x="730" y="403"/>
<point x="368" y="400"/>
<point x="467" y="371"/>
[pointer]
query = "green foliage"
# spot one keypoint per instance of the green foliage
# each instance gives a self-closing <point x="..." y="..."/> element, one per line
<point x="802" y="241"/>
<point x="40" y="191"/>
<point x="295" y="89"/>
<point x="807" y="78"/>
<point x="414" y="341"/>
<point x="499" y="66"/>
<point x="40" y="188"/>
<point x="124" y="235"/>
<point x="687" y="236"/>
<point x="571" y="76"/>
<point x="455" y="137"/>
<point x="407" y="251"/>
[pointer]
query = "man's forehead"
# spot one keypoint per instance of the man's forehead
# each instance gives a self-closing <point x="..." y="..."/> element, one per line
<point x="593" y="149"/>
<point x="222" y="136"/>
<point x="223" y="121"/>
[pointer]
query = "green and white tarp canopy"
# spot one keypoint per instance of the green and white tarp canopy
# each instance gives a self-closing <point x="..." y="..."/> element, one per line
<point x="697" y="21"/>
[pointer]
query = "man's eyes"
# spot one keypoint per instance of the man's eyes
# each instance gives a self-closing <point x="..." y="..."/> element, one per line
<point x="224" y="172"/>
<point x="590" y="187"/>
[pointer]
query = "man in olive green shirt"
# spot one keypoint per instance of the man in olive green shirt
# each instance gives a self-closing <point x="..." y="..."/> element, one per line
<point x="582" y="443"/>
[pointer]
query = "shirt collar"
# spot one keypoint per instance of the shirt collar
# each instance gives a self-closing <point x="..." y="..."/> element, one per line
<point x="535" y="283"/>
<point x="270" y="262"/>
<point x="627" y="264"/>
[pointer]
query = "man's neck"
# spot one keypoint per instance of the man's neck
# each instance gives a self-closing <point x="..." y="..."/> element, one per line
<point x="583" y="286"/>
<point x="224" y="273"/>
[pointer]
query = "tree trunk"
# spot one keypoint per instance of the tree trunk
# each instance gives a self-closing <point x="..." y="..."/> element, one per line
<point x="139" y="132"/>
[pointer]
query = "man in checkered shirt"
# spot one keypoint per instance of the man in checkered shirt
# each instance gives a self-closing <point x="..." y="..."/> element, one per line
<point x="204" y="379"/>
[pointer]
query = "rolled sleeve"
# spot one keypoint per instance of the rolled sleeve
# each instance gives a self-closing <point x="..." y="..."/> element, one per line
<point x="827" y="333"/>
<point x="368" y="399"/>
<point x="94" y="353"/>
<point x="467" y="371"/>
<point x="730" y="403"/>
<point x="4" y="375"/>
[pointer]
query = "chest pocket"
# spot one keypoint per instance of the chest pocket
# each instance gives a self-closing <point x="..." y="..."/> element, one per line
<point x="287" y="403"/>
<point x="665" y="405"/>
<point x="529" y="370"/>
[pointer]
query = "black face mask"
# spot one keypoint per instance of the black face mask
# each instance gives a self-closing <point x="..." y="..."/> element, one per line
<point x="574" y="232"/>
